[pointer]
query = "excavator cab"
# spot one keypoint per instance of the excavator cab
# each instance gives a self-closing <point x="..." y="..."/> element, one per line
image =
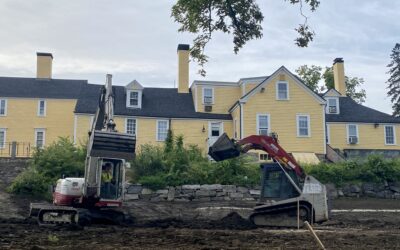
<point x="275" y="184"/>
<point x="112" y="179"/>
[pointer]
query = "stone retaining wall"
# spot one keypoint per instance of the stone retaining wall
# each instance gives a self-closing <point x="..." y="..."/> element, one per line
<point x="387" y="190"/>
<point x="218" y="192"/>
<point x="10" y="168"/>
<point x="186" y="193"/>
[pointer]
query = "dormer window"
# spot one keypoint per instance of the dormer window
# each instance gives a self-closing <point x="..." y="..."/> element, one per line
<point x="332" y="106"/>
<point x="208" y="96"/>
<point x="133" y="98"/>
<point x="134" y="95"/>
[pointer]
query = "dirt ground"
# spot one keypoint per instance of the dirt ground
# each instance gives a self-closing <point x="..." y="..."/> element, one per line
<point x="182" y="226"/>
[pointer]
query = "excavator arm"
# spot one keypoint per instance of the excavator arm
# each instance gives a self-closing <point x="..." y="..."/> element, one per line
<point x="225" y="148"/>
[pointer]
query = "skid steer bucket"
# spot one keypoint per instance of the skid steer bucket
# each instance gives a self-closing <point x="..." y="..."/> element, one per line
<point x="223" y="148"/>
<point x="113" y="145"/>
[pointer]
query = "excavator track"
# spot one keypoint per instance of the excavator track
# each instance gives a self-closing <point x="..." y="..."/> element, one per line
<point x="47" y="214"/>
<point x="281" y="216"/>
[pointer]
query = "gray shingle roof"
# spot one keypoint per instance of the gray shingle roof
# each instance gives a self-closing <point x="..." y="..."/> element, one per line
<point x="350" y="111"/>
<point x="156" y="102"/>
<point x="40" y="88"/>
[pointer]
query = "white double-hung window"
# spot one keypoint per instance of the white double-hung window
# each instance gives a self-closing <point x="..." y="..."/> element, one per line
<point x="352" y="134"/>
<point x="263" y="126"/>
<point x="130" y="126"/>
<point x="2" y="137"/>
<point x="303" y="125"/>
<point x="282" y="91"/>
<point x="3" y="107"/>
<point x="332" y="106"/>
<point x="41" y="108"/>
<point x="162" y="130"/>
<point x="390" y="135"/>
<point x="40" y="137"/>
<point x="208" y="95"/>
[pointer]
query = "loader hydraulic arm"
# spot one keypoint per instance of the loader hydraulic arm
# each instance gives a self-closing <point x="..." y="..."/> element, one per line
<point x="225" y="148"/>
<point x="270" y="145"/>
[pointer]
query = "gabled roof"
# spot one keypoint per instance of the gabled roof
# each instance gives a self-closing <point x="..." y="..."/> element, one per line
<point x="156" y="102"/>
<point x="350" y="111"/>
<point x="40" y="88"/>
<point x="297" y="80"/>
<point x="134" y="85"/>
<point x="331" y="93"/>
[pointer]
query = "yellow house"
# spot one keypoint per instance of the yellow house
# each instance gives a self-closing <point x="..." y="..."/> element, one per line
<point x="354" y="129"/>
<point x="35" y="111"/>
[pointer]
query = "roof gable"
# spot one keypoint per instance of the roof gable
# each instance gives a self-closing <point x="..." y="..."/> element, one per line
<point x="332" y="92"/>
<point x="269" y="79"/>
<point x="134" y="85"/>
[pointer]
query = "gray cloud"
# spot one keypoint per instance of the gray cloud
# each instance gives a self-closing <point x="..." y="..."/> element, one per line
<point x="138" y="39"/>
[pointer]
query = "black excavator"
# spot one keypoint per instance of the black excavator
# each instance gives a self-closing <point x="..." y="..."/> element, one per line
<point x="91" y="198"/>
<point x="288" y="196"/>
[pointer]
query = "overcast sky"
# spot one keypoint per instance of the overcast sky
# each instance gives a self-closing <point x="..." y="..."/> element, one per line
<point x="138" y="40"/>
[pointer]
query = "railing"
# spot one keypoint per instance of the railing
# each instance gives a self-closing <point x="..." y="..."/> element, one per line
<point x="15" y="149"/>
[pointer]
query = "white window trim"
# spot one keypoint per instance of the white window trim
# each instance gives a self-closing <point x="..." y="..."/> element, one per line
<point x="128" y="98"/>
<point x="212" y="97"/>
<point x="298" y="125"/>
<point x="44" y="135"/>
<point x="348" y="136"/>
<point x="5" y="107"/>
<point x="394" y="135"/>
<point x="157" y="121"/>
<point x="235" y="134"/>
<point x="328" y="134"/>
<point x="2" y="146"/>
<point x="44" y="108"/>
<point x="258" y="123"/>
<point x="221" y="128"/>
<point x="126" y="124"/>
<point x="337" y="105"/>
<point x="277" y="90"/>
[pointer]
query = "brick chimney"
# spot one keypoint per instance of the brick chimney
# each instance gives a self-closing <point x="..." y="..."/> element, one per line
<point x="44" y="65"/>
<point x="338" y="76"/>
<point x="183" y="68"/>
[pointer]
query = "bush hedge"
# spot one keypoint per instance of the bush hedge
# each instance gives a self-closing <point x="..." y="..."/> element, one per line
<point x="375" y="169"/>
<point x="172" y="164"/>
<point x="61" y="158"/>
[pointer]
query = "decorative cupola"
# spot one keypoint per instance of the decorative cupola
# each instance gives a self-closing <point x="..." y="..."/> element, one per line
<point x="134" y="91"/>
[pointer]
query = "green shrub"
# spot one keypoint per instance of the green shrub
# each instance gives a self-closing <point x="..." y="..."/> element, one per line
<point x="374" y="169"/>
<point x="173" y="164"/>
<point x="61" y="158"/>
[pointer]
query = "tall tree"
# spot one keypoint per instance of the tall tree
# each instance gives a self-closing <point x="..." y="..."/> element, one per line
<point x="394" y="79"/>
<point x="353" y="85"/>
<point x="241" y="18"/>
<point x="312" y="75"/>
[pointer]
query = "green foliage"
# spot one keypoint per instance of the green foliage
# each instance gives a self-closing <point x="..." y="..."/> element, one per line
<point x="310" y="75"/>
<point x="374" y="169"/>
<point x="173" y="164"/>
<point x="394" y="79"/>
<point x="240" y="18"/>
<point x="61" y="158"/>
<point x="353" y="85"/>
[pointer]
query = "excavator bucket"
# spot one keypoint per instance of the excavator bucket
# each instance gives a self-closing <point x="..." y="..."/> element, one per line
<point x="113" y="145"/>
<point x="223" y="148"/>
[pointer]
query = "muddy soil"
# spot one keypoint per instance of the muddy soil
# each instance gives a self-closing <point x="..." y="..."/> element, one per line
<point x="182" y="226"/>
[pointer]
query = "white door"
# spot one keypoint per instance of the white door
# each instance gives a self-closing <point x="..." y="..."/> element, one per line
<point x="216" y="129"/>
